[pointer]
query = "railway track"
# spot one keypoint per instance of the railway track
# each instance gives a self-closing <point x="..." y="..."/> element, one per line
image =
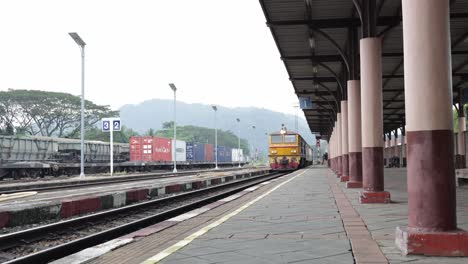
<point x="53" y="241"/>
<point x="45" y="186"/>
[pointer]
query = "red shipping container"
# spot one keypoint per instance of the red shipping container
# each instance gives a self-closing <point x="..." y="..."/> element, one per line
<point x="141" y="148"/>
<point x="209" y="152"/>
<point x="162" y="151"/>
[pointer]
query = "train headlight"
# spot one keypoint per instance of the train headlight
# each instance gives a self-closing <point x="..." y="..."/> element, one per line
<point x="273" y="152"/>
<point x="293" y="151"/>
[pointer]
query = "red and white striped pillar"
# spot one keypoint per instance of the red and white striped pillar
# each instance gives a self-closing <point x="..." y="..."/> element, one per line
<point x="372" y="122"/>
<point x="344" y="142"/>
<point x="432" y="223"/>
<point x="354" y="135"/>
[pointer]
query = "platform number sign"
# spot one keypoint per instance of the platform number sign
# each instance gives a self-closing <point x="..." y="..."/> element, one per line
<point x="105" y="125"/>
<point x="111" y="125"/>
<point x="305" y="103"/>
<point x="116" y="125"/>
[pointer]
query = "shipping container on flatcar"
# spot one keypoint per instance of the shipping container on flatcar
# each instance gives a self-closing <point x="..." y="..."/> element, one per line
<point x="224" y="154"/>
<point x="180" y="151"/>
<point x="237" y="155"/>
<point x="162" y="149"/>
<point x="199" y="152"/>
<point x="228" y="154"/>
<point x="189" y="151"/>
<point x="141" y="148"/>
<point x="220" y="154"/>
<point x="209" y="152"/>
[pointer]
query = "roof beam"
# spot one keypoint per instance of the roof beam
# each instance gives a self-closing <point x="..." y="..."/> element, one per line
<point x="347" y="22"/>
<point x="337" y="58"/>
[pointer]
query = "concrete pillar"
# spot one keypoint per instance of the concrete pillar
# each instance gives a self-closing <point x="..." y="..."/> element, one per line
<point x="402" y="149"/>
<point x="432" y="224"/>
<point x="344" y="142"/>
<point x="372" y="122"/>
<point x="339" y="146"/>
<point x="354" y="135"/>
<point x="330" y="151"/>
<point x="461" y="151"/>
<point x="386" y="147"/>
<point x="405" y="151"/>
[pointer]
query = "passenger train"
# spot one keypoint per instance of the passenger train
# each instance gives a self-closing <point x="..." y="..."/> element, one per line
<point x="288" y="151"/>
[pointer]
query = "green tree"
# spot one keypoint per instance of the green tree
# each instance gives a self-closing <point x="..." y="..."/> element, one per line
<point x="48" y="113"/>
<point x="167" y="125"/>
<point x="123" y="136"/>
<point x="150" y="132"/>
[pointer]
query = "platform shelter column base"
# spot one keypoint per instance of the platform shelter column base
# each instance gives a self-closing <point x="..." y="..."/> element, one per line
<point x="368" y="197"/>
<point x="446" y="243"/>
<point x="353" y="185"/>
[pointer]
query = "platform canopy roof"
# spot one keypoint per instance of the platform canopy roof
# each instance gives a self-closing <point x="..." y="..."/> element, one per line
<point x="318" y="41"/>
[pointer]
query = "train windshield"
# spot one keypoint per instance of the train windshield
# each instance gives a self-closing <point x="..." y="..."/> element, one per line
<point x="276" y="139"/>
<point x="290" y="139"/>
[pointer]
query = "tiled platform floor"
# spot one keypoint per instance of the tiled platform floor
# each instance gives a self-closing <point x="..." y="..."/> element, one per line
<point x="312" y="218"/>
<point x="382" y="219"/>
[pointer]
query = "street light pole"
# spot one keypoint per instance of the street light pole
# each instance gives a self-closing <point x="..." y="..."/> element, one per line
<point x="216" y="138"/>
<point x="82" y="45"/>
<point x="173" y="87"/>
<point x="252" y="143"/>
<point x="238" y="154"/>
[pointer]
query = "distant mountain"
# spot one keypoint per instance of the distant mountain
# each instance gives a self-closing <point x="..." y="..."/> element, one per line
<point x="152" y="113"/>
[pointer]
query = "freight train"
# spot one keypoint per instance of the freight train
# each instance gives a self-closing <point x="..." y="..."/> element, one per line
<point x="46" y="156"/>
<point x="288" y="151"/>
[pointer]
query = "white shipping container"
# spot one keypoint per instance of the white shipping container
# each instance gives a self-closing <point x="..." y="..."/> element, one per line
<point x="181" y="152"/>
<point x="237" y="155"/>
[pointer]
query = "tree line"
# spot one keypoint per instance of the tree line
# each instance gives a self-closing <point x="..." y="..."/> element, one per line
<point x="55" y="114"/>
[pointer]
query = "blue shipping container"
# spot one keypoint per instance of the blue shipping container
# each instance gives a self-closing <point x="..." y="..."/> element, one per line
<point x="228" y="154"/>
<point x="198" y="152"/>
<point x="221" y="153"/>
<point x="224" y="154"/>
<point x="189" y="151"/>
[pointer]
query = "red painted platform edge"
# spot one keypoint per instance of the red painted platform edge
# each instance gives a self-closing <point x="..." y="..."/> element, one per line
<point x="344" y="178"/>
<point x="4" y="218"/>
<point x="447" y="243"/>
<point x="374" y="197"/>
<point x="353" y="184"/>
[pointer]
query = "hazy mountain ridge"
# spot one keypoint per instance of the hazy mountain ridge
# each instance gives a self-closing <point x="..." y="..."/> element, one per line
<point x="152" y="113"/>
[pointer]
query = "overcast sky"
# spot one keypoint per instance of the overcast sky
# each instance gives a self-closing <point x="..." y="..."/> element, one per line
<point x="215" y="51"/>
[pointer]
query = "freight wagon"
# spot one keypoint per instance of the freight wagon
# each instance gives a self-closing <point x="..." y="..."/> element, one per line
<point x="40" y="156"/>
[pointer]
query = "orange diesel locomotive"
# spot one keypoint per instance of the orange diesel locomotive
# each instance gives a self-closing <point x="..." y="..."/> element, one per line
<point x="288" y="151"/>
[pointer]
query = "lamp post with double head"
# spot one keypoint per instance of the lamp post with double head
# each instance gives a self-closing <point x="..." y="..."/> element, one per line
<point x="173" y="87"/>
<point x="82" y="45"/>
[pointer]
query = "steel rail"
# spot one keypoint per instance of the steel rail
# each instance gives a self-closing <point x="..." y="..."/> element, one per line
<point x="104" y="181"/>
<point x="57" y="252"/>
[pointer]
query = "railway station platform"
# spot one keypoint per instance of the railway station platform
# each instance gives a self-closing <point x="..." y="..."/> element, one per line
<point x="306" y="217"/>
<point x="42" y="207"/>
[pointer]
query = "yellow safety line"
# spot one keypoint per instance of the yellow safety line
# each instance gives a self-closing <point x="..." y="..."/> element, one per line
<point x="168" y="251"/>
<point x="6" y="197"/>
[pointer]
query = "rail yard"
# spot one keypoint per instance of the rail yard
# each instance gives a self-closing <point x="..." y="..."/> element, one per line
<point x="189" y="147"/>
